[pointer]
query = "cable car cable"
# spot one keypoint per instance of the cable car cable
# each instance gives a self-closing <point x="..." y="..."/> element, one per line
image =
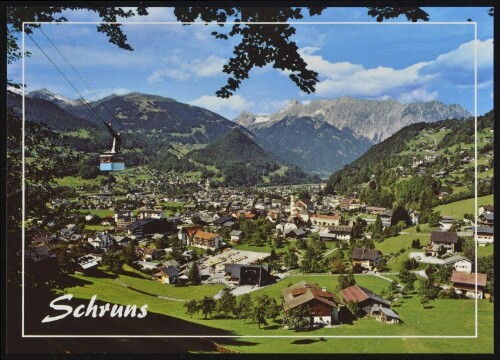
<point x="82" y="99"/>
<point x="93" y="92"/>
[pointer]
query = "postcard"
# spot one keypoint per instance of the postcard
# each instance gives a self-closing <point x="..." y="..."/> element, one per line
<point x="250" y="179"/>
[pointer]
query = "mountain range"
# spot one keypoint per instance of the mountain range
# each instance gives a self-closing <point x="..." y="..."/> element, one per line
<point x="372" y="119"/>
<point x="319" y="137"/>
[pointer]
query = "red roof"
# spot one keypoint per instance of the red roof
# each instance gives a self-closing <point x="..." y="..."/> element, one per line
<point x="469" y="279"/>
<point x="353" y="293"/>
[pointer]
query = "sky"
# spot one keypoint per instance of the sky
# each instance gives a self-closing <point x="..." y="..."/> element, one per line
<point x="394" y="59"/>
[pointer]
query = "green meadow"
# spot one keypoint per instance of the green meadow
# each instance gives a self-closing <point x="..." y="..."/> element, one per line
<point x="444" y="317"/>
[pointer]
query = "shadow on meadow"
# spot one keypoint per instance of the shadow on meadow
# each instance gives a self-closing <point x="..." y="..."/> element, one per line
<point x="307" y="341"/>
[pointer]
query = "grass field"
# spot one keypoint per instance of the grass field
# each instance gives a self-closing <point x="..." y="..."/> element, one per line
<point x="457" y="209"/>
<point x="483" y="251"/>
<point x="417" y="321"/>
<point x="100" y="213"/>
<point x="98" y="227"/>
<point x="76" y="181"/>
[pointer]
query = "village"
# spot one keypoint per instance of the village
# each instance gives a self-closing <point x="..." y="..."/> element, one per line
<point x="247" y="239"/>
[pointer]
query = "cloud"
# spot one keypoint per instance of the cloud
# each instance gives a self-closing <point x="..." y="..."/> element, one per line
<point x="229" y="107"/>
<point x="457" y="66"/>
<point x="180" y="69"/>
<point x="416" y="82"/>
<point x="418" y="95"/>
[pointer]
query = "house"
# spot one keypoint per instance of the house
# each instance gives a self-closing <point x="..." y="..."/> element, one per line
<point x="150" y="214"/>
<point x="486" y="219"/>
<point x="369" y="302"/>
<point x="440" y="174"/>
<point x="295" y="233"/>
<point x="167" y="275"/>
<point x="148" y="226"/>
<point x="221" y="221"/>
<point x="386" y="217"/>
<point x="341" y="232"/>
<point x="170" y="263"/>
<point x="122" y="240"/>
<point x="459" y="263"/>
<point x="206" y="240"/>
<point x="124" y="218"/>
<point x="273" y="215"/>
<point x="465" y="284"/>
<point x="40" y="252"/>
<point x="101" y="241"/>
<point x="446" y="223"/>
<point x="486" y="209"/>
<point x="248" y="274"/>
<point x="323" y="305"/>
<point x="325" y="220"/>
<point x="87" y="263"/>
<point x="366" y="258"/>
<point x="186" y="233"/>
<point x="414" y="217"/>
<point x="485" y="235"/>
<point x="442" y="242"/>
<point x="236" y="236"/>
<point x="153" y="254"/>
<point x="385" y="315"/>
<point x="301" y="204"/>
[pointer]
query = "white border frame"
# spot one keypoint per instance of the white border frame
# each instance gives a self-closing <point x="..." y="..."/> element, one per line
<point x="474" y="23"/>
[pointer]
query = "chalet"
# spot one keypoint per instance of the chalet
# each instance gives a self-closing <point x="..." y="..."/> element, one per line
<point x="248" y="274"/>
<point x="325" y="220"/>
<point x="446" y="223"/>
<point x="236" y="236"/>
<point x="385" y="315"/>
<point x="386" y="218"/>
<point x="295" y="233"/>
<point x="465" y="284"/>
<point x="366" y="258"/>
<point x="485" y="235"/>
<point x="153" y="254"/>
<point x="442" y="242"/>
<point x="440" y="174"/>
<point x="167" y="275"/>
<point x="206" y="240"/>
<point x="301" y="204"/>
<point x="186" y="233"/>
<point x="369" y="302"/>
<point x="341" y="232"/>
<point x="323" y="305"/>
<point x="486" y="219"/>
<point x="459" y="263"/>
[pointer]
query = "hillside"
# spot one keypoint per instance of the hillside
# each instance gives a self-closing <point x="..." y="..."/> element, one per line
<point x="434" y="155"/>
<point x="241" y="161"/>
<point x="161" y="119"/>
<point x="312" y="144"/>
